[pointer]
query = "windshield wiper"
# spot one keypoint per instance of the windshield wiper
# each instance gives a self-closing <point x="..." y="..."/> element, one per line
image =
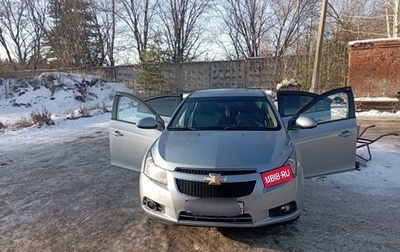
<point x="182" y="128"/>
<point x="240" y="127"/>
<point x="234" y="127"/>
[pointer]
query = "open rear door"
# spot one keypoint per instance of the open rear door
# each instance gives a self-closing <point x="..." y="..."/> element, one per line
<point x="331" y="146"/>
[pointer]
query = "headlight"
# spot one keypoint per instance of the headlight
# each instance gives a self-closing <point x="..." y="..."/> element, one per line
<point x="153" y="171"/>
<point x="292" y="161"/>
<point x="282" y="174"/>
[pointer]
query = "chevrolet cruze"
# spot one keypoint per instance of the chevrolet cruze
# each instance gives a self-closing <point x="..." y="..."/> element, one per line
<point x="231" y="157"/>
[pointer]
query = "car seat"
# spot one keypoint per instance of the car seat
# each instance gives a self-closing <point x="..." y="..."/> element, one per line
<point x="207" y="116"/>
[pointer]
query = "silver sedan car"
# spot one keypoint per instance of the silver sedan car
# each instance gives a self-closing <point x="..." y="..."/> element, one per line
<point x="231" y="157"/>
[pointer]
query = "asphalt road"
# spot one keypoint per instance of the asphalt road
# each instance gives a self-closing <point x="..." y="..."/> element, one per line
<point x="66" y="196"/>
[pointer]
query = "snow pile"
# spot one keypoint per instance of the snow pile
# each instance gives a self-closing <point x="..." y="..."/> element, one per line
<point x="65" y="96"/>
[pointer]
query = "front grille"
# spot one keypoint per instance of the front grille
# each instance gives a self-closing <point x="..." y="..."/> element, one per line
<point x="225" y="190"/>
<point x="240" y="219"/>
<point x="222" y="172"/>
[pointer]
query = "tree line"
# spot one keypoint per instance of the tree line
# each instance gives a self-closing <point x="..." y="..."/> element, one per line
<point x="40" y="34"/>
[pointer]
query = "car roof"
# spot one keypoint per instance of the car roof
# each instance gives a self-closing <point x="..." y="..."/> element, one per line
<point x="227" y="92"/>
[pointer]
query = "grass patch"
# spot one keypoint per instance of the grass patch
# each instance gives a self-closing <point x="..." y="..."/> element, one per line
<point x="42" y="117"/>
<point x="85" y="111"/>
<point x="3" y="127"/>
<point x="24" y="122"/>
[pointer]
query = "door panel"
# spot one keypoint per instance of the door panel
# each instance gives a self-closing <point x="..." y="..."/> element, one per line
<point x="331" y="146"/>
<point x="128" y="143"/>
<point x="323" y="150"/>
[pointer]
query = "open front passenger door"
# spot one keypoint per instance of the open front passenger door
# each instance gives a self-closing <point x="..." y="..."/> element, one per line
<point x="330" y="147"/>
<point x="134" y="127"/>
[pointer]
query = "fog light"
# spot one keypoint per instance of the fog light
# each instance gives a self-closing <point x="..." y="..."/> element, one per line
<point x="283" y="209"/>
<point x="151" y="204"/>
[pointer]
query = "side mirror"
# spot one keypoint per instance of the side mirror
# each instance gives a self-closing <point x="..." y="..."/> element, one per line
<point x="302" y="122"/>
<point x="147" y="123"/>
<point x="305" y="122"/>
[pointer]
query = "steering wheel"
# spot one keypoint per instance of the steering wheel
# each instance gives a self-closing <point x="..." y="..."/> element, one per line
<point x="251" y="120"/>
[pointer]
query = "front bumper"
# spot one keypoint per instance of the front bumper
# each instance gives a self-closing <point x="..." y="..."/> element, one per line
<point x="259" y="208"/>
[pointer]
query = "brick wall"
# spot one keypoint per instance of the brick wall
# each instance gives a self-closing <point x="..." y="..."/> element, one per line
<point x="374" y="67"/>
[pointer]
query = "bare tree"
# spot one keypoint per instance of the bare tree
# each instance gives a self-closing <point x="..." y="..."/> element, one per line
<point x="290" y="35"/>
<point x="15" y="33"/>
<point x="290" y="20"/>
<point x="138" y="15"/>
<point x="37" y="14"/>
<point x="246" y="23"/>
<point x="105" y="23"/>
<point x="4" y="44"/>
<point x="183" y="25"/>
<point x="298" y="58"/>
<point x="393" y="16"/>
<point x="356" y="19"/>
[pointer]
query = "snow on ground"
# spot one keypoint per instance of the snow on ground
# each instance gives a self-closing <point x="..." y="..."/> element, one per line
<point x="62" y="130"/>
<point x="64" y="94"/>
<point x="388" y="99"/>
<point x="377" y="113"/>
<point x="378" y="177"/>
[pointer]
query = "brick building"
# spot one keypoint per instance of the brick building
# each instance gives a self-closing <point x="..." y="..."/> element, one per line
<point x="374" y="67"/>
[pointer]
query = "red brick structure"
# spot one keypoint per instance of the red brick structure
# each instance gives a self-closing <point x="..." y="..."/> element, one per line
<point x="374" y="67"/>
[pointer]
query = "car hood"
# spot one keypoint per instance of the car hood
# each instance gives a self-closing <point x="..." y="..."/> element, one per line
<point x="222" y="149"/>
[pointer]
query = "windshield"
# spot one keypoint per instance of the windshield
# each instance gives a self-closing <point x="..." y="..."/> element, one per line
<point x="225" y="113"/>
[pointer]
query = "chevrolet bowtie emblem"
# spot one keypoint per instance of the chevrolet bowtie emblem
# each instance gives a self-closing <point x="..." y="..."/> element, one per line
<point x="214" y="179"/>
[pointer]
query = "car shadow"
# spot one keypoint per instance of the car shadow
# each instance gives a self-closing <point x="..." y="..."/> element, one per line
<point x="272" y="236"/>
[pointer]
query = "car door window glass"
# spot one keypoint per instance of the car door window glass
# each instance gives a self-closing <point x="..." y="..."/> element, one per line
<point x="130" y="110"/>
<point x="331" y="108"/>
<point x="290" y="104"/>
<point x="165" y="106"/>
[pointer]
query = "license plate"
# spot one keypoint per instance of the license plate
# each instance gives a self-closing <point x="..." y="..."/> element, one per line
<point x="277" y="176"/>
<point x="214" y="207"/>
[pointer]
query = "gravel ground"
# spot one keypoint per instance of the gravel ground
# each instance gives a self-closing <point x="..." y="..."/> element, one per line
<point x="66" y="196"/>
